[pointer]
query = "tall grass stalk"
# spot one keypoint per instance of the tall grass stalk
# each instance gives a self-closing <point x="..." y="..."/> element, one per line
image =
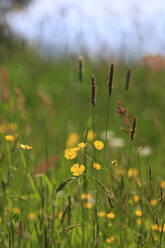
<point x="96" y="188"/>
<point x="96" y="222"/>
<point x="84" y="190"/>
<point x="110" y="87"/>
<point x="141" y="200"/>
<point x="129" y="156"/>
<point x="106" y="132"/>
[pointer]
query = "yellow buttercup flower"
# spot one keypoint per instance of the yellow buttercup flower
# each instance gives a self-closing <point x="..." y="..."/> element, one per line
<point x="138" y="213"/>
<point x="99" y="145"/>
<point x="154" y="227"/>
<point x="77" y="169"/>
<point x="96" y="166"/>
<point x="90" y="135"/>
<point x="153" y="202"/>
<point x="25" y="147"/>
<point x="135" y="198"/>
<point x="132" y="172"/>
<point x="110" y="215"/>
<point x="88" y="205"/>
<point x="10" y="137"/>
<point x="32" y="216"/>
<point x="101" y="214"/>
<point x="110" y="240"/>
<point x="70" y="153"/>
<point x="85" y="196"/>
<point x="72" y="139"/>
<point x="81" y="145"/>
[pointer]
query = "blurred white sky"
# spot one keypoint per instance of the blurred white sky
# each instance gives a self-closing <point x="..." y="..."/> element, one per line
<point x="124" y="27"/>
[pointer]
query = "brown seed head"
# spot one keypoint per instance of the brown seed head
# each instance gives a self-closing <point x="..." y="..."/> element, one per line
<point x="110" y="79"/>
<point x="128" y="75"/>
<point x="93" y="91"/>
<point x="133" y="129"/>
<point x="80" y="68"/>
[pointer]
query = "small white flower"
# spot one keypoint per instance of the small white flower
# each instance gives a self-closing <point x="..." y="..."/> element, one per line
<point x="110" y="134"/>
<point x="146" y="151"/>
<point x="116" y="142"/>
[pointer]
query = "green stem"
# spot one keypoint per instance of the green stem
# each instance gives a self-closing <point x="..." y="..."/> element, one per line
<point x="107" y="127"/>
<point x="129" y="156"/>
<point x="141" y="201"/>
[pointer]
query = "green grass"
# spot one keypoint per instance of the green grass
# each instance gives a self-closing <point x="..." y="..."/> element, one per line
<point x="61" y="217"/>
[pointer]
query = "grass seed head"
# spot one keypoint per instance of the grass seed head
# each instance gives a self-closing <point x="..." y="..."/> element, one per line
<point x="110" y="79"/>
<point x="80" y="67"/>
<point x="93" y="91"/>
<point x="133" y="129"/>
<point x="128" y="75"/>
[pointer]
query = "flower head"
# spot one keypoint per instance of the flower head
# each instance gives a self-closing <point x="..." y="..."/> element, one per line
<point x="77" y="169"/>
<point x="32" y="216"/>
<point x="99" y="145"/>
<point x="138" y="213"/>
<point x="96" y="166"/>
<point x="110" y="240"/>
<point x="132" y="172"/>
<point x="72" y="139"/>
<point x="154" y="227"/>
<point x="135" y="198"/>
<point x="10" y="137"/>
<point x="153" y="202"/>
<point x="89" y="205"/>
<point x="110" y="215"/>
<point x="81" y="145"/>
<point x="25" y="147"/>
<point x="70" y="153"/>
<point x="114" y="163"/>
<point x="85" y="196"/>
<point x="90" y="135"/>
<point x="101" y="214"/>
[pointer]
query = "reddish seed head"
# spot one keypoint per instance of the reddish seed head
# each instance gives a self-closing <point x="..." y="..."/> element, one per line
<point x="121" y="111"/>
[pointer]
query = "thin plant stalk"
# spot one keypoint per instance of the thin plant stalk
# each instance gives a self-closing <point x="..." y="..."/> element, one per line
<point x="96" y="188"/>
<point x="93" y="102"/>
<point x="110" y="87"/>
<point x="141" y="199"/>
<point x="106" y="132"/>
<point x="84" y="190"/>
<point x="129" y="156"/>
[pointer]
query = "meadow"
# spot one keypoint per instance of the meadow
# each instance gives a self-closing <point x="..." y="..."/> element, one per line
<point x="81" y="166"/>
